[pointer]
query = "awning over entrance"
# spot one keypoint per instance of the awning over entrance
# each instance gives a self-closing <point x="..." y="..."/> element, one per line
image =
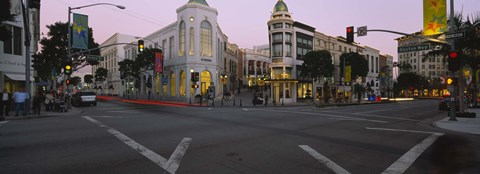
<point x="17" y="77"/>
<point x="282" y="80"/>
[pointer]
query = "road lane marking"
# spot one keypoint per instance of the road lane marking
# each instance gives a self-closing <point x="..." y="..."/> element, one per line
<point x="327" y="162"/>
<point x="244" y="109"/>
<point x="404" y="162"/>
<point x="377" y="116"/>
<point x="125" y="111"/>
<point x="107" y="116"/>
<point x="402" y="130"/>
<point x="373" y="111"/>
<point x="3" y="122"/>
<point x="174" y="161"/>
<point x="328" y="115"/>
<point x="170" y="165"/>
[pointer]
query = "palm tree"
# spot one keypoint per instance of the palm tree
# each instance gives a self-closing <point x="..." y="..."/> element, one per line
<point x="469" y="46"/>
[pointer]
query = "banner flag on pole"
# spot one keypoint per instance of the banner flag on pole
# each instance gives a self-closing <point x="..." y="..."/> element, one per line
<point x="80" y="31"/>
<point x="348" y="73"/>
<point x="434" y="17"/>
<point x="158" y="62"/>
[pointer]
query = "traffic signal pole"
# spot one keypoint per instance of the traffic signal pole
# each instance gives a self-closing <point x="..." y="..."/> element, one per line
<point x="451" y="42"/>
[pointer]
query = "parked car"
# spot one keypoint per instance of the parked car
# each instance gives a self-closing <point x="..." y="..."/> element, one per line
<point x="84" y="98"/>
<point x="444" y="105"/>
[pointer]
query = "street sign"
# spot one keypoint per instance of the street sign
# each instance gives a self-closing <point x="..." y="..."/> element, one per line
<point x="94" y="58"/>
<point x="362" y="31"/>
<point x="454" y="35"/>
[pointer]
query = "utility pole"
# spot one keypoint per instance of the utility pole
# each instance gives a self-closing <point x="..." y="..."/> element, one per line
<point x="26" y="23"/>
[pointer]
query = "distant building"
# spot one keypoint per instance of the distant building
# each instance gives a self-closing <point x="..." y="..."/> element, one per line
<point x="411" y="58"/>
<point x="256" y="64"/>
<point x="290" y="40"/>
<point x="193" y="43"/>
<point x="112" y="55"/>
<point x="13" y="51"/>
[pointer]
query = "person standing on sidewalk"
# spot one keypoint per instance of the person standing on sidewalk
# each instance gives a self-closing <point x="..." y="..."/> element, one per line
<point x="37" y="103"/>
<point x="20" y="98"/>
<point x="5" y="102"/>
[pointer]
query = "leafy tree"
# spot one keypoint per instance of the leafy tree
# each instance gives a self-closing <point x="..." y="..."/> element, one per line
<point x="75" y="80"/>
<point x="146" y="59"/>
<point x="128" y="68"/>
<point x="52" y="57"/>
<point x="358" y="63"/>
<point x="359" y="90"/>
<point x="408" y="79"/>
<point x="5" y="15"/>
<point x="317" y="64"/>
<point x="88" y="78"/>
<point x="101" y="74"/>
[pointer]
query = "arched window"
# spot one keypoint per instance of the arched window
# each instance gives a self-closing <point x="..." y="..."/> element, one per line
<point x="181" y="41"/>
<point x="183" y="84"/>
<point x="173" y="84"/>
<point x="191" y="52"/>
<point x="205" y="79"/>
<point x="206" y="39"/>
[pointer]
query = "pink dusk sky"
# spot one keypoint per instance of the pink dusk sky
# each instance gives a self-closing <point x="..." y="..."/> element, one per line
<point x="245" y="21"/>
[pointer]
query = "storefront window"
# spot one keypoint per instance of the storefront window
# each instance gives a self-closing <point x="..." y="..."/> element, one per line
<point x="183" y="84"/>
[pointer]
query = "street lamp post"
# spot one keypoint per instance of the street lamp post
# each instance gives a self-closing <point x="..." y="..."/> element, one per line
<point x="69" y="34"/>
<point x="223" y="79"/>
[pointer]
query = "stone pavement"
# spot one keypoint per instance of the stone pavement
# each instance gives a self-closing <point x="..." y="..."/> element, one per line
<point x="466" y="125"/>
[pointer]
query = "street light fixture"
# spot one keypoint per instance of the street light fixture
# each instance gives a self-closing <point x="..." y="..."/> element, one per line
<point x="69" y="34"/>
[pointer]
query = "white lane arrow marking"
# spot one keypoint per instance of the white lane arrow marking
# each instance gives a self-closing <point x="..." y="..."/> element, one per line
<point x="327" y="162"/>
<point x="170" y="165"/>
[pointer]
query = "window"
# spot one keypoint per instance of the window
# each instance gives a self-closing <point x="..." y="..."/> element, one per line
<point x="181" y="41"/>
<point x="14" y="44"/>
<point x="288" y="37"/>
<point x="288" y="48"/>
<point x="206" y="39"/>
<point x="191" y="52"/>
<point x="277" y="50"/>
<point x="277" y="25"/>
<point x="288" y="25"/>
<point x="170" y="48"/>
<point x="278" y="37"/>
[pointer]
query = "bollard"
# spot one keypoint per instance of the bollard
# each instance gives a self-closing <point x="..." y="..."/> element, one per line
<point x="282" y="102"/>
<point x="274" y="103"/>
<point x="233" y="102"/>
<point x="222" y="102"/>
<point x="190" y="100"/>
<point x="240" y="102"/>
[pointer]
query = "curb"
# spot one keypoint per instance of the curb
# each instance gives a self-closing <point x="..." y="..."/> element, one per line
<point x="72" y="111"/>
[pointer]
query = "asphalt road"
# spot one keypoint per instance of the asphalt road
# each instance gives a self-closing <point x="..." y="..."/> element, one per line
<point x="119" y="137"/>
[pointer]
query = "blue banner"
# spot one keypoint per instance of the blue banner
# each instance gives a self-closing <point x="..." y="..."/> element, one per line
<point x="80" y="31"/>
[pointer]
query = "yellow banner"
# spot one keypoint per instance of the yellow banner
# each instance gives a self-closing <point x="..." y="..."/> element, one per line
<point x="348" y="73"/>
<point x="434" y="17"/>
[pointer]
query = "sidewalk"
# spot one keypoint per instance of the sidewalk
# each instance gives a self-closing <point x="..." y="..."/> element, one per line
<point x="466" y="125"/>
<point x="44" y="114"/>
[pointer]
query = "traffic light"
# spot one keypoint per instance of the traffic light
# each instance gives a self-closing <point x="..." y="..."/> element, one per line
<point x="350" y="34"/>
<point x="195" y="76"/>
<point x="453" y="61"/>
<point x="451" y="81"/>
<point x="141" y="46"/>
<point x="68" y="81"/>
<point x="68" y="68"/>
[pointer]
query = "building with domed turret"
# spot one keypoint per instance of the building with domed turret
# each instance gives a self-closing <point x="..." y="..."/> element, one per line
<point x="193" y="43"/>
<point x="290" y="40"/>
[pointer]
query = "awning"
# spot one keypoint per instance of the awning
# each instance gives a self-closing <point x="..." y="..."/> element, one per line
<point x="18" y="77"/>
<point x="282" y="80"/>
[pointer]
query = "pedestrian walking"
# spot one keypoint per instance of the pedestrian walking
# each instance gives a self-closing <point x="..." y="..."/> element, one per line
<point x="49" y="99"/>
<point x="20" y="97"/>
<point x="5" y="102"/>
<point x="37" y="103"/>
